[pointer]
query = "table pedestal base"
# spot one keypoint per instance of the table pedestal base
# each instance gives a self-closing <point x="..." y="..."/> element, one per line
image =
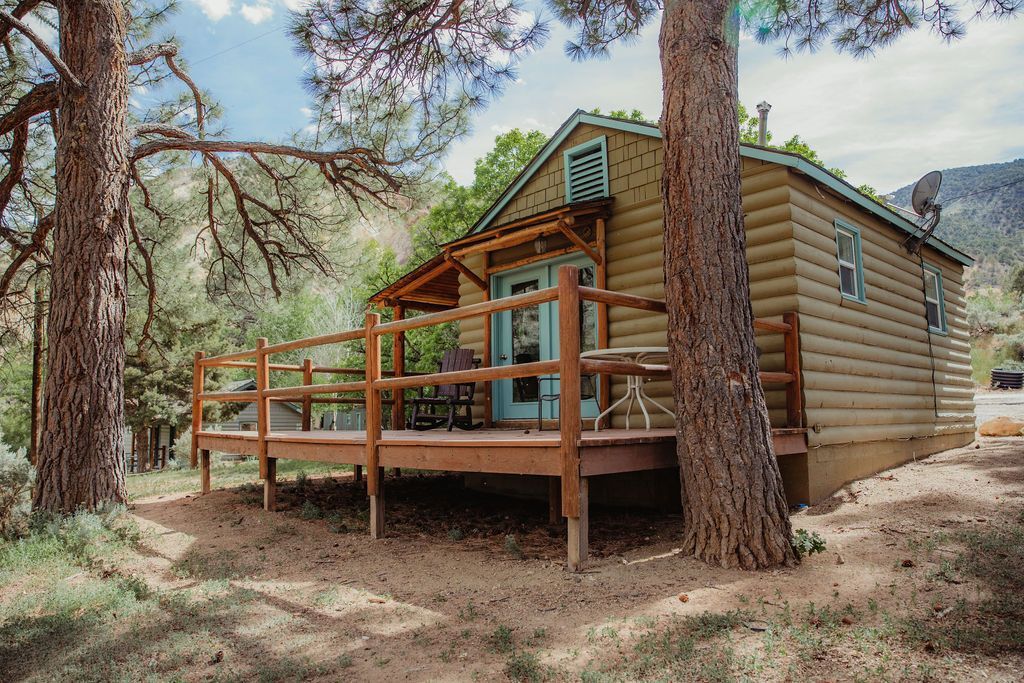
<point x="634" y="392"/>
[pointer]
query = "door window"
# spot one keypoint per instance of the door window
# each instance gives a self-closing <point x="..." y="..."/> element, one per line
<point x="525" y="342"/>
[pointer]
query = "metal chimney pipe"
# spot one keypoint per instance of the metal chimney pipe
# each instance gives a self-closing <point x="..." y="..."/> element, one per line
<point x="762" y="122"/>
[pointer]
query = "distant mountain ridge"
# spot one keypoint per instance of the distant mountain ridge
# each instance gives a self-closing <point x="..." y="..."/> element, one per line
<point x="989" y="225"/>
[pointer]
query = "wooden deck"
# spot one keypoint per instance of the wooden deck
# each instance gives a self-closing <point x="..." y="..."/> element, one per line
<point x="501" y="451"/>
<point x="569" y="456"/>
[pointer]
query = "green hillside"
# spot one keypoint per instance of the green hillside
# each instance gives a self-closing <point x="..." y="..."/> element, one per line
<point x="987" y="225"/>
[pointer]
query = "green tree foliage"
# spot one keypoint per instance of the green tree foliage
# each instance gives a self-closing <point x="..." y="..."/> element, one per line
<point x="461" y="206"/>
<point x="1016" y="281"/>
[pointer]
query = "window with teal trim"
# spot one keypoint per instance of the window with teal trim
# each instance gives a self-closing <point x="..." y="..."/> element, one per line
<point x="934" y="301"/>
<point x="851" y="263"/>
<point x="586" y="171"/>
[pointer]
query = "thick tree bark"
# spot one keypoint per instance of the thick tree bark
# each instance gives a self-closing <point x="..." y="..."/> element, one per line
<point x="80" y="463"/>
<point x="735" y="512"/>
<point x="36" y="410"/>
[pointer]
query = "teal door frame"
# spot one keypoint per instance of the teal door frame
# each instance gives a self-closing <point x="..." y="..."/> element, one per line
<point x="545" y="273"/>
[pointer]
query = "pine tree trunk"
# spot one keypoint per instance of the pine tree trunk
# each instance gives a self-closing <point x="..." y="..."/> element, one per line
<point x="80" y="461"/>
<point x="734" y="509"/>
<point x="35" y="420"/>
<point x="143" y="446"/>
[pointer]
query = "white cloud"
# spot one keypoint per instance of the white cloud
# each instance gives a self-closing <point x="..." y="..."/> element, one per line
<point x="215" y="10"/>
<point x="257" y="14"/>
<point x="918" y="105"/>
<point x="295" y="5"/>
<point x="306" y="111"/>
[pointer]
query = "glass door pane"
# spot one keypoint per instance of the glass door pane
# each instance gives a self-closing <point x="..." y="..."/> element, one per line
<point x="588" y="312"/>
<point x="525" y="324"/>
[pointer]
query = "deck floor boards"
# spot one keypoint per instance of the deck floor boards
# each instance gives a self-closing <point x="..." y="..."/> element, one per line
<point x="485" y="450"/>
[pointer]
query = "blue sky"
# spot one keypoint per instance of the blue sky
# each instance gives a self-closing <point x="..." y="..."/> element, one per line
<point x="919" y="105"/>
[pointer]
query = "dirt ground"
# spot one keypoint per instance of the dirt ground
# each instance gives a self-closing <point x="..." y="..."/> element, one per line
<point x="464" y="579"/>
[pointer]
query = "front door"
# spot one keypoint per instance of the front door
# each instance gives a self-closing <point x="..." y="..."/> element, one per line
<point x="525" y="335"/>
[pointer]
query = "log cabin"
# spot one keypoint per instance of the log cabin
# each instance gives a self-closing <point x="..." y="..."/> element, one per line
<point x="864" y="351"/>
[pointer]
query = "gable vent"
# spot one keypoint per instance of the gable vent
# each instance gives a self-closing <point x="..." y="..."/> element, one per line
<point x="586" y="171"/>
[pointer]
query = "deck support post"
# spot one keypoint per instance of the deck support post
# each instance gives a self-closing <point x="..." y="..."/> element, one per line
<point x="374" y="471"/>
<point x="357" y="472"/>
<point x="570" y="423"/>
<point x="554" y="500"/>
<point x="579" y="530"/>
<point x="198" y="382"/>
<point x="205" y="472"/>
<point x="377" y="508"/>
<point x="270" y="486"/>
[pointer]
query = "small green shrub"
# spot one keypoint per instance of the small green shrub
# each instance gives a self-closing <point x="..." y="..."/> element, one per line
<point x="807" y="542"/>
<point x="182" y="448"/>
<point x="336" y="522"/>
<point x="301" y="480"/>
<point x="311" y="510"/>
<point x="525" y="666"/>
<point x="456" y="534"/>
<point x="512" y="547"/>
<point x="501" y="640"/>
<point x="16" y="478"/>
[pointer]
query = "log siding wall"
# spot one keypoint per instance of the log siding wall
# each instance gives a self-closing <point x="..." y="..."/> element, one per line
<point x="867" y="366"/>
<point x="870" y="397"/>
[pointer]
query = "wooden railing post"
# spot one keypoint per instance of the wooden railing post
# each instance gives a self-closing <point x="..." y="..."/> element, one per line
<point x="307" y="400"/>
<point x="373" y="427"/>
<point x="488" y="361"/>
<point x="198" y="383"/>
<point x="794" y="388"/>
<point x="574" y="501"/>
<point x="263" y="424"/>
<point x="398" y="364"/>
<point x="604" y="382"/>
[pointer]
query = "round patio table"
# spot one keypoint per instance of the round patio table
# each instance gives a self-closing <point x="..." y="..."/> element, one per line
<point x="634" y="385"/>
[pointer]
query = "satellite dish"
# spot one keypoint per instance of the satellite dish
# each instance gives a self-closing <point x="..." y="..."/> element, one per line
<point x="925" y="192"/>
<point x="923" y="200"/>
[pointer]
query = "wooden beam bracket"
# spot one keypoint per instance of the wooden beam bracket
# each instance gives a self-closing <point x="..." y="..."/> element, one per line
<point x="565" y="227"/>
<point x="464" y="269"/>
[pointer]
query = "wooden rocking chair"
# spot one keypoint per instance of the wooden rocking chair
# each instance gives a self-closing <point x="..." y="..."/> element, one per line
<point x="442" y="408"/>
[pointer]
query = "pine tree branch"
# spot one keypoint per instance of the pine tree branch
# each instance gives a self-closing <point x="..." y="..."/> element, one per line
<point x="15" y="165"/>
<point x="148" y="279"/>
<point x="37" y="245"/>
<point x="150" y="52"/>
<point x="361" y="156"/>
<point x="22" y="8"/>
<point x="39" y="100"/>
<point x="51" y="56"/>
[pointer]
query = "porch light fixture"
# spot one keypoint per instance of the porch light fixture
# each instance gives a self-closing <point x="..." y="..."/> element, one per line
<point x="540" y="244"/>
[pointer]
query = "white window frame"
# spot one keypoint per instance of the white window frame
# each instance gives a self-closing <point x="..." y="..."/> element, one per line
<point x="940" y="302"/>
<point x="857" y="265"/>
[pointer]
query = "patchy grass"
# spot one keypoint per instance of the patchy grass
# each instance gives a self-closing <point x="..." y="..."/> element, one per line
<point x="91" y="598"/>
<point x="970" y="606"/>
<point x="993" y="623"/>
<point x="224" y="475"/>
<point x="69" y="610"/>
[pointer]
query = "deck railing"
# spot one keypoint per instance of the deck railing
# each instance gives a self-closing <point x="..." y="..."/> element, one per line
<point x="375" y="381"/>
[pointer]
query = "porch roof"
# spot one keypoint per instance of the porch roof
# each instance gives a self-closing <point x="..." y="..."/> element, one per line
<point x="434" y="285"/>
